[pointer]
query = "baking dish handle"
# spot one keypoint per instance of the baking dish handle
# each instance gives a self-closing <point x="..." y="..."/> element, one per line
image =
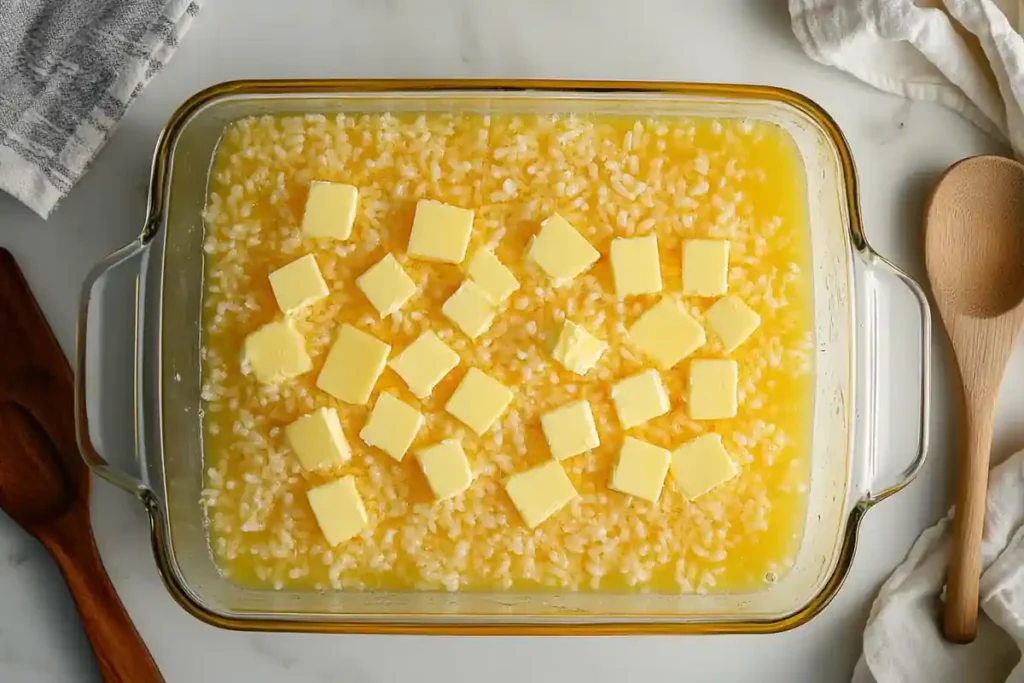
<point x="881" y="488"/>
<point x="97" y="463"/>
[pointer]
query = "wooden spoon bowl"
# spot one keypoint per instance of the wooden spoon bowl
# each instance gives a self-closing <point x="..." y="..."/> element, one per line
<point x="49" y="494"/>
<point x="974" y="253"/>
<point x="44" y="483"/>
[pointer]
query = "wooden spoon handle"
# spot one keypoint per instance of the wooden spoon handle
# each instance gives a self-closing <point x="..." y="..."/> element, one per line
<point x="121" y="654"/>
<point x="960" y="620"/>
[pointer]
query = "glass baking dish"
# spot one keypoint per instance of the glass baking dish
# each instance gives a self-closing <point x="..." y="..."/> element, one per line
<point x="851" y="287"/>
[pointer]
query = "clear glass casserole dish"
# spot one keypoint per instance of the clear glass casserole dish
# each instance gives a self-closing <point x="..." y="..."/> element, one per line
<point x="850" y="282"/>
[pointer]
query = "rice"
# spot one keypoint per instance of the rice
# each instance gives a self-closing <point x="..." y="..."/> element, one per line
<point x="609" y="178"/>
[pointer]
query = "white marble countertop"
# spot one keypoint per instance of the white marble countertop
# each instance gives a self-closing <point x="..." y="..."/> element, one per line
<point x="900" y="148"/>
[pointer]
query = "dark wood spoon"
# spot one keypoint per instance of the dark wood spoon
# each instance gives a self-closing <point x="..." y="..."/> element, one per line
<point x="44" y="483"/>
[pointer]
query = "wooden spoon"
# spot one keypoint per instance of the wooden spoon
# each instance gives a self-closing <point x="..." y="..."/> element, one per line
<point x="974" y="252"/>
<point x="44" y="483"/>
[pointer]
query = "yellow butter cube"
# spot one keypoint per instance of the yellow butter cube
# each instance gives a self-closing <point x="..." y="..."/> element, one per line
<point x="578" y="350"/>
<point x="446" y="468"/>
<point x="353" y="365"/>
<point x="570" y="430"/>
<point x="318" y="440"/>
<point x="298" y="284"/>
<point x="479" y="400"/>
<point x="636" y="266"/>
<point x="733" y="321"/>
<point x="274" y="353"/>
<point x="470" y="308"/>
<point x="386" y="285"/>
<point x="424" y="363"/>
<point x="560" y="251"/>
<point x="540" y="492"/>
<point x="492" y="275"/>
<point x="440" y="232"/>
<point x="338" y="509"/>
<point x="702" y="464"/>
<point x="330" y="210"/>
<point x="392" y="426"/>
<point x="667" y="333"/>
<point x="640" y="470"/>
<point x="705" y="267"/>
<point x="640" y="398"/>
<point x="712" y="389"/>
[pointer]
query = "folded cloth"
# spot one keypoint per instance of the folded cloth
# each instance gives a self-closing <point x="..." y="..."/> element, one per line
<point x="69" y="69"/>
<point x="965" y="54"/>
<point x="903" y="642"/>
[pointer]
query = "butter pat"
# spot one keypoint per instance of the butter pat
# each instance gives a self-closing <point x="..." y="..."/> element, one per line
<point x="578" y="350"/>
<point x="640" y="398"/>
<point x="479" y="400"/>
<point x="386" y="285"/>
<point x="330" y="210"/>
<point x="424" y="363"/>
<point x="446" y="468"/>
<point x="640" y="470"/>
<point x="702" y="464"/>
<point x="338" y="509"/>
<point x="712" y="389"/>
<point x="636" y="266"/>
<point x="705" y="267"/>
<point x="298" y="284"/>
<point x="276" y="352"/>
<point x="318" y="440"/>
<point x="540" y="492"/>
<point x="353" y="365"/>
<point x="440" y="232"/>
<point x="492" y="275"/>
<point x="560" y="251"/>
<point x="470" y="308"/>
<point x="392" y="426"/>
<point x="667" y="333"/>
<point x="733" y="321"/>
<point x="570" y="430"/>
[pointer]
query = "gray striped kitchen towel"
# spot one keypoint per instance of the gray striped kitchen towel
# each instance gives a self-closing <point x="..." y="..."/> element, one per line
<point x="69" y="70"/>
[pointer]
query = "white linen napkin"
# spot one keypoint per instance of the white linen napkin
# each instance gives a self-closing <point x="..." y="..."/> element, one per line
<point x="965" y="54"/>
<point x="69" y="70"/>
<point x="903" y="642"/>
